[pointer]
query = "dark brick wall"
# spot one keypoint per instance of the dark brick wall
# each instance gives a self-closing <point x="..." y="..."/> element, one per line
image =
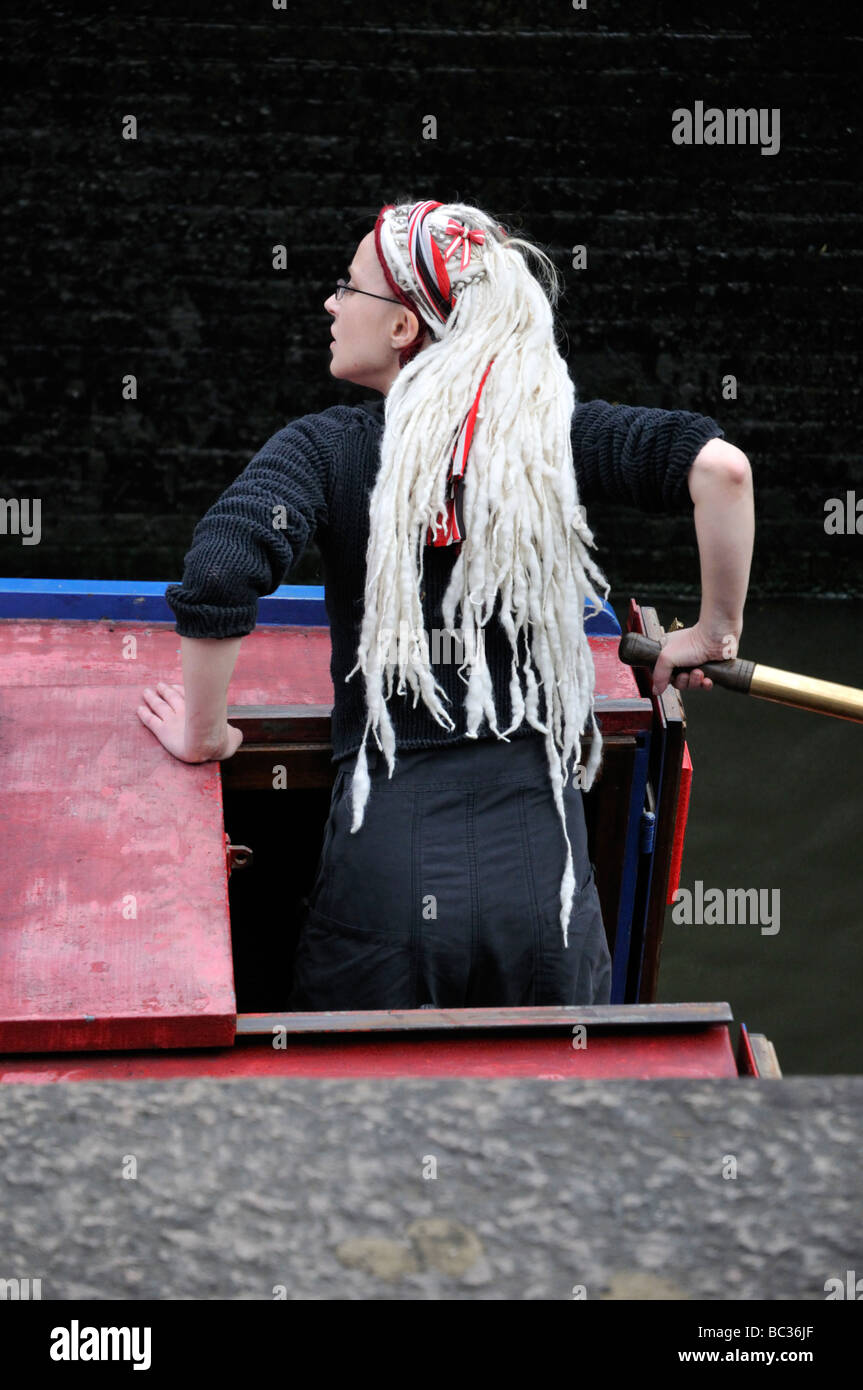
<point x="258" y="126"/>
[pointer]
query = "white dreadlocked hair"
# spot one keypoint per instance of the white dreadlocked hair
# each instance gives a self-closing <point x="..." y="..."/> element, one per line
<point x="526" y="536"/>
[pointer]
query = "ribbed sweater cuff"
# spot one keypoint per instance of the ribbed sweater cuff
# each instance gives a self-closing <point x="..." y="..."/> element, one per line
<point x="205" y="620"/>
<point x="687" y="445"/>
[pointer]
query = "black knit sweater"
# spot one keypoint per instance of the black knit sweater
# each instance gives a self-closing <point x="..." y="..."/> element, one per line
<point x="321" y="469"/>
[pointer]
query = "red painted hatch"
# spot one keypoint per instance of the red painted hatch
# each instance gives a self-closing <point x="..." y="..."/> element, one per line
<point x="114" y="914"/>
<point x="114" y="926"/>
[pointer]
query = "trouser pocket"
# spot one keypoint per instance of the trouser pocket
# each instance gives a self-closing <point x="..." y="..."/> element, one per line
<point x="341" y="966"/>
<point x="579" y="973"/>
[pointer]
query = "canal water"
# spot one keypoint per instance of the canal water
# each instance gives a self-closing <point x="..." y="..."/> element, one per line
<point x="777" y="803"/>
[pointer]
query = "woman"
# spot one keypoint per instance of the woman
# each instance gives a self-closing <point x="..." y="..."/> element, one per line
<point x="455" y="869"/>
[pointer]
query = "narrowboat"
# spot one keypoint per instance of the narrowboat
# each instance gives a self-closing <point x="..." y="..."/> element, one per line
<point x="149" y="908"/>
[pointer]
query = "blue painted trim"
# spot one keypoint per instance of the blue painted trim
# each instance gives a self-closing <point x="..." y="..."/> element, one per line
<point x="143" y="601"/>
<point x="629" y="877"/>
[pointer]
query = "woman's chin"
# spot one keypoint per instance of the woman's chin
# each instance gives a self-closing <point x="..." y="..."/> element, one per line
<point x="340" y="375"/>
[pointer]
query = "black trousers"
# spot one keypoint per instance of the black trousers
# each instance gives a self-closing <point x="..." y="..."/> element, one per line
<point x="449" y="893"/>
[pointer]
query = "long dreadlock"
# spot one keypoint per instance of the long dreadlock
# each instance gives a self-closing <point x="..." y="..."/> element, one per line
<point x="493" y="375"/>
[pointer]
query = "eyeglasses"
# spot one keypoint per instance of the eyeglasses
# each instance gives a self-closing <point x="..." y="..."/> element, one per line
<point x="342" y="285"/>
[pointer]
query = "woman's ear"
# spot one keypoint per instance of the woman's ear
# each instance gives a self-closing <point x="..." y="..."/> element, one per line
<point x="406" y="329"/>
<point x="408" y="353"/>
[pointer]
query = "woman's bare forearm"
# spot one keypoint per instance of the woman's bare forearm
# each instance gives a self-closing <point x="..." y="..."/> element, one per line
<point x="208" y="664"/>
<point x="720" y="485"/>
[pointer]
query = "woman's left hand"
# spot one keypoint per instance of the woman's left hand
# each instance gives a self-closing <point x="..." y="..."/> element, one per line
<point x="690" y="646"/>
<point x="164" y="714"/>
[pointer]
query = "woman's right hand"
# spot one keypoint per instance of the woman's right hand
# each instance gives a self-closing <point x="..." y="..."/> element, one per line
<point x="164" y="714"/>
